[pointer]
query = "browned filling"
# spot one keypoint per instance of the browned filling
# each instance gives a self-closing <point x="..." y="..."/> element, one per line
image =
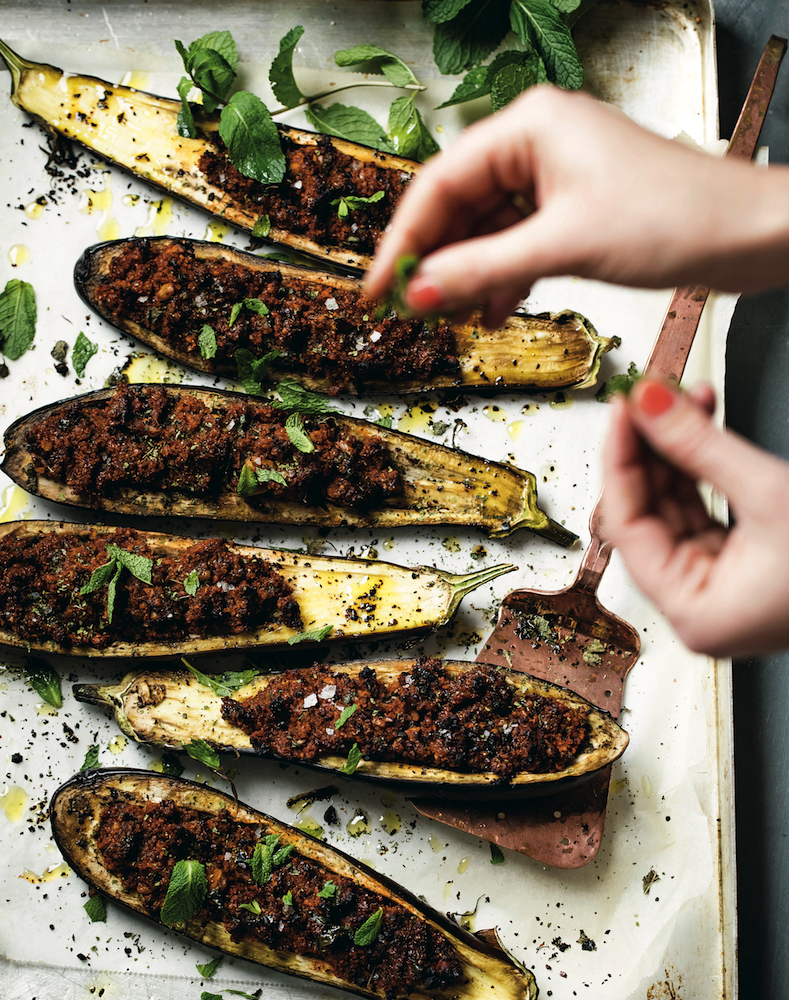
<point x="140" y="844"/>
<point x="152" y="438"/>
<point x="41" y="579"/>
<point x="315" y="177"/>
<point x="473" y="722"/>
<point x="322" y="331"/>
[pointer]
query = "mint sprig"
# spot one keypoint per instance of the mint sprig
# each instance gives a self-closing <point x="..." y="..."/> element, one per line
<point x="252" y="371"/>
<point x="350" y="203"/>
<point x="222" y="684"/>
<point x="267" y="856"/>
<point x="109" y="573"/>
<point x="250" y="477"/>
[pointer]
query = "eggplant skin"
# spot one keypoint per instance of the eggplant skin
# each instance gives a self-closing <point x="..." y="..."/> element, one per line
<point x="76" y="811"/>
<point x="439" y="485"/>
<point x="170" y="709"/>
<point x="163" y="291"/>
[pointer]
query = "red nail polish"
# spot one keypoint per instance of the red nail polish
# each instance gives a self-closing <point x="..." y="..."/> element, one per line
<point x="655" y="398"/>
<point x="424" y="295"/>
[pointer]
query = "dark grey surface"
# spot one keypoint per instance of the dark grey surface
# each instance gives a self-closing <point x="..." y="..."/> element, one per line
<point x="757" y="391"/>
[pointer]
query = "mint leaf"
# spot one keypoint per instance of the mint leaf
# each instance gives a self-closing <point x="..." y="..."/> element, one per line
<point x="408" y="132"/>
<point x="353" y="761"/>
<point x="262" y="227"/>
<point x="373" y="59"/>
<point x="496" y="855"/>
<point x="283" y="83"/>
<point x="299" y="438"/>
<point x="171" y="766"/>
<point x="347" y="712"/>
<point x="185" y="122"/>
<point x="253" y="907"/>
<point x="200" y="751"/>
<point x="468" y="39"/>
<point x="17" y="318"/>
<point x="539" y="27"/>
<point x="137" y="565"/>
<point x="222" y="684"/>
<point x="287" y="899"/>
<point x="234" y="313"/>
<point x="474" y="84"/>
<point x="566" y="6"/>
<point x="252" y="371"/>
<point x="270" y="476"/>
<point x="211" y="62"/>
<point x="99" y="578"/>
<point x="45" y="681"/>
<point x="256" y="306"/>
<point x="112" y="590"/>
<point x="293" y="396"/>
<point x="350" y="202"/>
<point x="314" y="635"/>
<point x="385" y="421"/>
<point x="247" y="481"/>
<point x="262" y="861"/>
<point x="84" y="350"/>
<point x="252" y="139"/>
<point x="622" y="382"/>
<point x="91" y="758"/>
<point x="207" y="970"/>
<point x="348" y="123"/>
<point x="185" y="893"/>
<point x="96" y="909"/>
<point x="438" y="11"/>
<point x="191" y="582"/>
<point x="328" y="891"/>
<point x="511" y="73"/>
<point x="207" y="342"/>
<point x="368" y="932"/>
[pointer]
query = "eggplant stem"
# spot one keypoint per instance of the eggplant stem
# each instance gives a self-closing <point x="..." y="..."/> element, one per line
<point x="463" y="583"/>
<point x="16" y="64"/>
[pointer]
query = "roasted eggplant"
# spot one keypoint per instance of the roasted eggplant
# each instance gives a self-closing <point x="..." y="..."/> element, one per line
<point x="449" y="728"/>
<point x="317" y="328"/>
<point x="81" y="589"/>
<point x="266" y="892"/>
<point x="185" y="451"/>
<point x="138" y="132"/>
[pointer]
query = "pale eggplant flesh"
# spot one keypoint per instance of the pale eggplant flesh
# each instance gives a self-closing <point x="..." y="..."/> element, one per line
<point x="440" y="485"/>
<point x="358" y="598"/>
<point x="536" y="353"/>
<point x="76" y="811"/>
<point x="138" y="132"/>
<point x="171" y="709"/>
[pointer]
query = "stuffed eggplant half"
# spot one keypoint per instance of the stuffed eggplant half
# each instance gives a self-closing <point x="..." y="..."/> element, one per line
<point x="184" y="451"/>
<point x="449" y="728"/>
<point x="235" y="879"/>
<point x="139" y="133"/>
<point x="102" y="591"/>
<point x="223" y="311"/>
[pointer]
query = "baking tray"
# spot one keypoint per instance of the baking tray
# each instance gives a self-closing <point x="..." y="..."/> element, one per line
<point x="670" y="812"/>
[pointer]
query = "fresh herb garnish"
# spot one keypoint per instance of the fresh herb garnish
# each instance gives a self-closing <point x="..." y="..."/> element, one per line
<point x="84" y="350"/>
<point x="409" y="135"/>
<point x="328" y="891"/>
<point x="353" y="761"/>
<point x="91" y="758"/>
<point x="622" y="382"/>
<point x="191" y="582"/>
<point x="404" y="269"/>
<point x="349" y="203"/>
<point x="368" y="932"/>
<point x="267" y="856"/>
<point x="96" y="909"/>
<point x="223" y="684"/>
<point x="207" y="342"/>
<point x="287" y="899"/>
<point x="109" y="573"/>
<point x="17" y="318"/>
<point x="385" y="421"/>
<point x="254" y="305"/>
<point x="250" y="476"/>
<point x="252" y="371"/>
<point x="496" y="855"/>
<point x="208" y="970"/>
<point x="283" y="82"/>
<point x="262" y="227"/>
<point x="202" y="752"/>
<point x="314" y="635"/>
<point x="293" y="396"/>
<point x="45" y="681"/>
<point x="348" y="123"/>
<point x="347" y="712"/>
<point x="253" y="907"/>
<point x="186" y="891"/>
<point x="298" y="436"/>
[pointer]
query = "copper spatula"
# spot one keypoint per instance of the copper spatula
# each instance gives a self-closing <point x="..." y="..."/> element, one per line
<point x="567" y="636"/>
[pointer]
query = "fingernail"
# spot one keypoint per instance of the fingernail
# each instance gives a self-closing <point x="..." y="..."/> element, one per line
<point x="654" y="398"/>
<point x="424" y="295"/>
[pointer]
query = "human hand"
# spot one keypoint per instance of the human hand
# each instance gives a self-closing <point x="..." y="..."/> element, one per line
<point x="725" y="591"/>
<point x="558" y="183"/>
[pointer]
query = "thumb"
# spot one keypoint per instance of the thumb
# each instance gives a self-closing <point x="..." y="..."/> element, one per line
<point x="683" y="433"/>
